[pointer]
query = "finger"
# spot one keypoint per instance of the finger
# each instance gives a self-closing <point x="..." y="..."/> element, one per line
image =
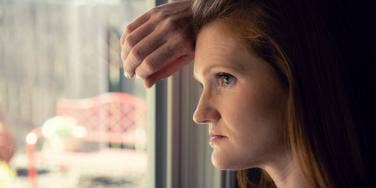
<point x="145" y="41"/>
<point x="145" y="47"/>
<point x="157" y="59"/>
<point x="175" y="7"/>
<point x="133" y="39"/>
<point x="165" y="22"/>
<point x="159" y="13"/>
<point x="171" y="68"/>
<point x="134" y="25"/>
<point x="147" y="38"/>
<point x="169" y="29"/>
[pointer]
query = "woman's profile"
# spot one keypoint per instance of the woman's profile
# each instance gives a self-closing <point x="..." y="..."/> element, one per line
<point x="284" y="84"/>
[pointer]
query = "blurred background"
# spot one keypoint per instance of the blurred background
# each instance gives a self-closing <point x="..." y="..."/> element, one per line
<point x="69" y="118"/>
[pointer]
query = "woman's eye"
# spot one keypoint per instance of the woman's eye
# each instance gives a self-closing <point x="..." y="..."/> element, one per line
<point x="225" y="79"/>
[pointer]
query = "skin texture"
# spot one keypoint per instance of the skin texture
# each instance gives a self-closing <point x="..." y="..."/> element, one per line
<point x="243" y="101"/>
<point x="158" y="43"/>
<point x="247" y="110"/>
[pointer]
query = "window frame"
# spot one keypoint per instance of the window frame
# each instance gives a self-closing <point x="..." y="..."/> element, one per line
<point x="187" y="138"/>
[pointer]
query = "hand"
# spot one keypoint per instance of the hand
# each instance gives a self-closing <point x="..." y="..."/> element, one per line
<point x="158" y="43"/>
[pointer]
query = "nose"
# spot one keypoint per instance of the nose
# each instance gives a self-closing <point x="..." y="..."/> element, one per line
<point x="205" y="112"/>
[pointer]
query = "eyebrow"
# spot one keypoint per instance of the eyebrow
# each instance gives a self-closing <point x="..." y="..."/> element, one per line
<point x="235" y="67"/>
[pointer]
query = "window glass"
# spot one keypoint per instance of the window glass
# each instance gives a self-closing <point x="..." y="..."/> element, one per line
<point x="69" y="118"/>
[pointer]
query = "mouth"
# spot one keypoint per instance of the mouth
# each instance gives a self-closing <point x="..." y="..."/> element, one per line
<point x="216" y="139"/>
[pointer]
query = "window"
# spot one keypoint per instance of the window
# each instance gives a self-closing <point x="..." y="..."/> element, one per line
<point x="74" y="120"/>
<point x="73" y="117"/>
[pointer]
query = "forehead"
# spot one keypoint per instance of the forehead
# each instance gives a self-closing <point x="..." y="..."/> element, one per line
<point x="217" y="45"/>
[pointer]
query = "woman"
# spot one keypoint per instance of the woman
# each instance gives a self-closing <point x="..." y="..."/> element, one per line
<point x="284" y="87"/>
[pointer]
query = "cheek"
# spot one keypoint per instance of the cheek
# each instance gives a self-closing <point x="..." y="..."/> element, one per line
<point x="255" y="119"/>
<point x="245" y="106"/>
<point x="263" y="103"/>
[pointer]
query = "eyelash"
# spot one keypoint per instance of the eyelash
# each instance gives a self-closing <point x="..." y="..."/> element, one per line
<point x="224" y="79"/>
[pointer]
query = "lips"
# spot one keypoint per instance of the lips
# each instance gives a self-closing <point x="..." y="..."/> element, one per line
<point x="216" y="138"/>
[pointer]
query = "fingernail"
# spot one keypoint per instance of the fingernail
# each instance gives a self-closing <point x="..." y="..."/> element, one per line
<point x="138" y="77"/>
<point x="127" y="75"/>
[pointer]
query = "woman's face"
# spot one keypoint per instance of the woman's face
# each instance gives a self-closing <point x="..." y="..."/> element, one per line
<point x="242" y="101"/>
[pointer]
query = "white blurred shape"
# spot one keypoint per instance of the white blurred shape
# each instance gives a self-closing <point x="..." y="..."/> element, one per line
<point x="31" y="138"/>
<point x="79" y="132"/>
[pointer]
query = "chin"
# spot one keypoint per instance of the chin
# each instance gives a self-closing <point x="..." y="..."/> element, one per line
<point x="219" y="166"/>
<point x="228" y="162"/>
<point x="224" y="162"/>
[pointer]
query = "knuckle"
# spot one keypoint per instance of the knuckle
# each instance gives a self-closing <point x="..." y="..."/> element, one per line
<point x="170" y="23"/>
<point x="128" y="29"/>
<point x="149" y="65"/>
<point x="129" y="40"/>
<point x="183" y="41"/>
<point x="179" y="38"/>
<point x="154" y="10"/>
<point x="136" y="73"/>
<point x="160" y="14"/>
<point x="140" y="74"/>
<point x="171" y="48"/>
<point x="137" y="54"/>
